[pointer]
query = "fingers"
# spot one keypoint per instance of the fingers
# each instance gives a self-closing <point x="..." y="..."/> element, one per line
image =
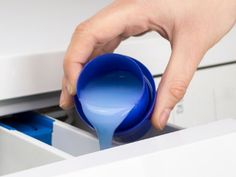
<point x="100" y="34"/>
<point x="107" y="48"/>
<point x="185" y="57"/>
<point x="77" y="53"/>
<point x="90" y="37"/>
<point x="85" y="43"/>
<point x="81" y="46"/>
<point x="66" y="100"/>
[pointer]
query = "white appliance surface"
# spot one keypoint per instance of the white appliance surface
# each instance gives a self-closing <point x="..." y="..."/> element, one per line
<point x="33" y="38"/>
<point x="35" y="34"/>
<point x="212" y="158"/>
<point x="207" y="150"/>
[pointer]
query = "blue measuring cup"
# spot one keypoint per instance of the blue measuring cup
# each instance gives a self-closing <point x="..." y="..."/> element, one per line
<point x="137" y="121"/>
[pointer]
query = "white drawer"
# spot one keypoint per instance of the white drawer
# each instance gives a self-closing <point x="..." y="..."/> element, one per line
<point x="19" y="151"/>
<point x="174" y="151"/>
<point x="30" y="140"/>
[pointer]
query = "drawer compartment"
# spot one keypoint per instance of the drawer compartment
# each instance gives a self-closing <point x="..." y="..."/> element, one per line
<point x="30" y="139"/>
<point x="19" y="152"/>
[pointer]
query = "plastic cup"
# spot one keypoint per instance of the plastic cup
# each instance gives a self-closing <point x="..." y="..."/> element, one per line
<point x="137" y="122"/>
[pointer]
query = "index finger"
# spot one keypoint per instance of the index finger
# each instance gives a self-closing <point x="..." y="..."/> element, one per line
<point x="115" y="20"/>
<point x="81" y="46"/>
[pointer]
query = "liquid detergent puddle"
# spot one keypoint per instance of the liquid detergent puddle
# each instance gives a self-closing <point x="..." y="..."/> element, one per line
<point x="107" y="100"/>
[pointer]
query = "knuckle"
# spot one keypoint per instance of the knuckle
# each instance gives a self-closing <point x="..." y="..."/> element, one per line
<point x="82" y="28"/>
<point x="178" y="89"/>
<point x="85" y="31"/>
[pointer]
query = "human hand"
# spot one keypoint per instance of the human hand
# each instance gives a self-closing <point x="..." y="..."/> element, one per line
<point x="191" y="27"/>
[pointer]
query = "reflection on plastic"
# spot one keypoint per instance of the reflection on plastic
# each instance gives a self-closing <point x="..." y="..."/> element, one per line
<point x="107" y="100"/>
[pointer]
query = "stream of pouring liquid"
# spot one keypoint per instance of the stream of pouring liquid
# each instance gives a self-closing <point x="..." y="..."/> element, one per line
<point x="106" y="101"/>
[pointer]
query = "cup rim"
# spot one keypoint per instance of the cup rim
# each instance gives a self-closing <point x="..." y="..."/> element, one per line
<point x="151" y="85"/>
<point x="131" y="60"/>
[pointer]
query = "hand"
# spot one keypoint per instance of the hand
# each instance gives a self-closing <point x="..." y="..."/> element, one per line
<point x="191" y="27"/>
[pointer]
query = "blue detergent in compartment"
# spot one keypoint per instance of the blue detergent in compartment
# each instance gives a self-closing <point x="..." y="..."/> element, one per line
<point x="33" y="124"/>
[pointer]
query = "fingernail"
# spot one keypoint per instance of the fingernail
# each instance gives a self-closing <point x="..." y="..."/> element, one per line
<point x="62" y="100"/>
<point x="70" y="89"/>
<point x="164" y="118"/>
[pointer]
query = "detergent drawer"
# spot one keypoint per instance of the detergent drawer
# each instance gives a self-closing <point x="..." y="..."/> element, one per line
<point x="30" y="139"/>
<point x="20" y="152"/>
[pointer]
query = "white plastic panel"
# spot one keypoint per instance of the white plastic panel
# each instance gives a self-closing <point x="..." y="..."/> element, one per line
<point x="34" y="36"/>
<point x="30" y="74"/>
<point x="73" y="140"/>
<point x="43" y="26"/>
<point x="225" y="95"/>
<point x="19" y="152"/>
<point x="151" y="49"/>
<point x="29" y="103"/>
<point x="76" y="141"/>
<point x="211" y="96"/>
<point x="171" y="148"/>
<point x="211" y="158"/>
<point x="154" y="51"/>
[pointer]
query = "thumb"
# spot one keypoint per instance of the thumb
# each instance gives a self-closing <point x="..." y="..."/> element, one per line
<point x="183" y="63"/>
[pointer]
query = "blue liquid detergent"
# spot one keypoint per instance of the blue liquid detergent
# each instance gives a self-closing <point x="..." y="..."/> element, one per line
<point x="107" y="100"/>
